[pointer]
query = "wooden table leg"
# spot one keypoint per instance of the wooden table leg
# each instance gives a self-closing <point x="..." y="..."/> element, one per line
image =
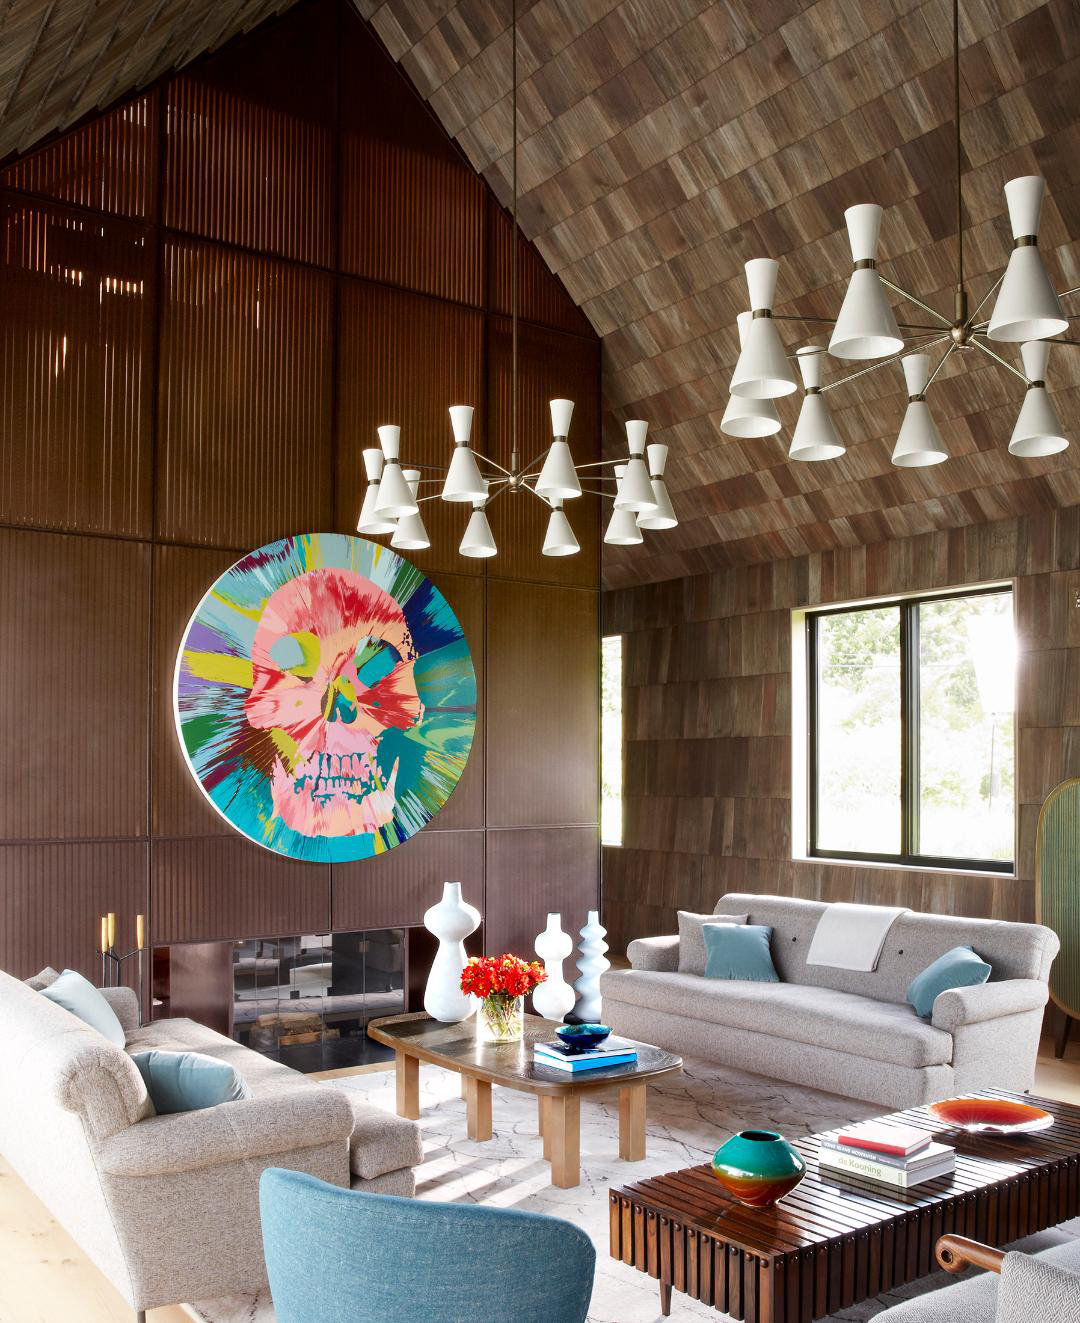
<point x="464" y="1086"/>
<point x="665" y="1298"/>
<point x="544" y="1120"/>
<point x="407" y="1070"/>
<point x="478" y="1107"/>
<point x="563" y="1124"/>
<point x="632" y="1122"/>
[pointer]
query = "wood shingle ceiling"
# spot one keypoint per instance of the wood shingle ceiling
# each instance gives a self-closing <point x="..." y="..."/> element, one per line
<point x="667" y="141"/>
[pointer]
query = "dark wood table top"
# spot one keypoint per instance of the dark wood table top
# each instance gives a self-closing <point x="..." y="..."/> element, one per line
<point x="454" y="1047"/>
<point x="837" y="1239"/>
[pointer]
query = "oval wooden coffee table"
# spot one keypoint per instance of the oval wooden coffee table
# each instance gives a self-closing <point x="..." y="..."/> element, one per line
<point x="417" y="1037"/>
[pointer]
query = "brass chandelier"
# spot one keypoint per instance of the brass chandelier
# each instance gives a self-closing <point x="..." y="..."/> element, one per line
<point x="635" y="485"/>
<point x="1026" y="311"/>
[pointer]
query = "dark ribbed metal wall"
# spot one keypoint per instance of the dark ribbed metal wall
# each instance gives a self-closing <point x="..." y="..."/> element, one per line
<point x="213" y="295"/>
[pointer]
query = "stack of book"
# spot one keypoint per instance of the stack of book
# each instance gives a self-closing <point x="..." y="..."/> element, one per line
<point x="885" y="1151"/>
<point x="613" y="1052"/>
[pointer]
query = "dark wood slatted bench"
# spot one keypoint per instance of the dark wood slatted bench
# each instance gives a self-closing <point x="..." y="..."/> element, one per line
<point x="836" y="1240"/>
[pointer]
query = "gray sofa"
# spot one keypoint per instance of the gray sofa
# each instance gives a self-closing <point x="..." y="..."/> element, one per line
<point x="168" y="1206"/>
<point x="848" y="1032"/>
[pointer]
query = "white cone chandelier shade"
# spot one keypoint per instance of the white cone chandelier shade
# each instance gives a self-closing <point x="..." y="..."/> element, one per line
<point x="394" y="499"/>
<point x="622" y="529"/>
<point x="560" y="539"/>
<point x="919" y="443"/>
<point x="866" y="326"/>
<point x="464" y="481"/>
<point x="558" y="480"/>
<point x="370" y="522"/>
<point x="664" y="515"/>
<point x="635" y="491"/>
<point x="1038" y="431"/>
<point x="743" y="416"/>
<point x="1027" y="307"/>
<point x="410" y="534"/>
<point x="815" y="436"/>
<point x="477" y="542"/>
<point x="763" y="371"/>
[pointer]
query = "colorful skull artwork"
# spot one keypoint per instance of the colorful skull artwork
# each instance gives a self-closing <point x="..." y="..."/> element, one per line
<point x="325" y="698"/>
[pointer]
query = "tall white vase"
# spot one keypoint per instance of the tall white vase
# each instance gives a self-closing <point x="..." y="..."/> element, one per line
<point x="554" y="999"/>
<point x="592" y="963"/>
<point x="451" y="921"/>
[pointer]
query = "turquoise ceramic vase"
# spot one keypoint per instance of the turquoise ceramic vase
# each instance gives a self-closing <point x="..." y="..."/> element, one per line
<point x="758" y="1167"/>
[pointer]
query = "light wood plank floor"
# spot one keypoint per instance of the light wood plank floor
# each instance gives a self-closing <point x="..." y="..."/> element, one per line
<point x="46" y="1278"/>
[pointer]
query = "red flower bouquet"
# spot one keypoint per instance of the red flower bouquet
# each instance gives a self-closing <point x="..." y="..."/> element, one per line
<point x="501" y="983"/>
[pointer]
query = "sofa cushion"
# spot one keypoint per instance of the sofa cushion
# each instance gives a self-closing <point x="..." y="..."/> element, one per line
<point x="188" y="1081"/>
<point x="958" y="968"/>
<point x="42" y="979"/>
<point x="260" y="1073"/>
<point x="79" y="996"/>
<point x="880" y="1030"/>
<point x="692" y="938"/>
<point x="735" y="952"/>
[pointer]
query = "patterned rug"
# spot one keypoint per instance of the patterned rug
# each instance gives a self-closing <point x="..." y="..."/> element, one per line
<point x="689" y="1117"/>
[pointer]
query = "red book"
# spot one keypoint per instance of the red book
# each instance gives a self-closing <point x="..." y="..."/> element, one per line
<point x="884" y="1137"/>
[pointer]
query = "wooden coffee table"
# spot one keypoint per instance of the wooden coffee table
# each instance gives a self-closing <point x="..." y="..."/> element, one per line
<point x="837" y="1240"/>
<point x="417" y="1037"/>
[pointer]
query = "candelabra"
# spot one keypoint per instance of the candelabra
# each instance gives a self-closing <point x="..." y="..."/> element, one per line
<point x="112" y="960"/>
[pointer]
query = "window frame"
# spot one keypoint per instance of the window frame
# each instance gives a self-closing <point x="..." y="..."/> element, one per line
<point x="907" y="857"/>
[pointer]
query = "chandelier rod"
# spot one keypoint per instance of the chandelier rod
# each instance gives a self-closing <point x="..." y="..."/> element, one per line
<point x="941" y="364"/>
<point x="907" y="294"/>
<point x="881" y="362"/>
<point x="831" y="321"/>
<point x="961" y="293"/>
<point x="514" y="244"/>
<point x="998" y="359"/>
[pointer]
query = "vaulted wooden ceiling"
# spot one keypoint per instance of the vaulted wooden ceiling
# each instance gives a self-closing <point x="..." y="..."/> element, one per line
<point x="667" y="141"/>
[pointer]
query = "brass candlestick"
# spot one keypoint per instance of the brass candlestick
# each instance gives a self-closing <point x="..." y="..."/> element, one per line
<point x="111" y="959"/>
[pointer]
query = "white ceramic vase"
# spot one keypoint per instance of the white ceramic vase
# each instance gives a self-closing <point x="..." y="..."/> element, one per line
<point x="451" y="921"/>
<point x="592" y="963"/>
<point x="554" y="999"/>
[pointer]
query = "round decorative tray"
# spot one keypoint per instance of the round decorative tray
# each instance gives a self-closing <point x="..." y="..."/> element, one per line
<point x="996" y="1116"/>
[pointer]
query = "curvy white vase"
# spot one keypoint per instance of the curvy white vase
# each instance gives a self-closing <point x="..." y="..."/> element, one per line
<point x="592" y="964"/>
<point x="554" y="999"/>
<point x="451" y="921"/>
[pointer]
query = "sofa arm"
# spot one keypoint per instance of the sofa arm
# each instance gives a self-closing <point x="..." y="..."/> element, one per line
<point x="956" y="1007"/>
<point x="300" y="1118"/>
<point x="125" y="1004"/>
<point x="657" y="954"/>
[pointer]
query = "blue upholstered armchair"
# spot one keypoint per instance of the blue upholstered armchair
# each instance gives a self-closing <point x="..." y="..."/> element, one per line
<point x="342" y="1256"/>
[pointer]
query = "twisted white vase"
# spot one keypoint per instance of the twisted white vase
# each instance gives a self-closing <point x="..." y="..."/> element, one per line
<point x="592" y="964"/>
<point x="554" y="999"/>
<point x="451" y="921"/>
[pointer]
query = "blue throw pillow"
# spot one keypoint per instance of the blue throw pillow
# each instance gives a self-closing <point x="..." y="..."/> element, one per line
<point x="958" y="968"/>
<point x="739" y="951"/>
<point x="188" y="1081"/>
<point x="79" y="996"/>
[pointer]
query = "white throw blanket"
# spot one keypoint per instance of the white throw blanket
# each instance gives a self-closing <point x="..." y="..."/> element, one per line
<point x="852" y="936"/>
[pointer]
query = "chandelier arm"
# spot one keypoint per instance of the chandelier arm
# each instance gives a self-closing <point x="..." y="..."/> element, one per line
<point x="600" y="463"/>
<point x="941" y="364"/>
<point x="998" y="359"/>
<point x="882" y="362"/>
<point x="1066" y="292"/>
<point x="971" y="320"/>
<point x="494" y="465"/>
<point x="588" y="491"/>
<point x="1061" y="340"/>
<point x="501" y="486"/>
<point x="831" y="321"/>
<point x="961" y="298"/>
<point x="911" y="298"/>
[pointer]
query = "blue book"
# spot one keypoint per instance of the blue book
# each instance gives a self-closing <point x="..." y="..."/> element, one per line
<point x="575" y="1064"/>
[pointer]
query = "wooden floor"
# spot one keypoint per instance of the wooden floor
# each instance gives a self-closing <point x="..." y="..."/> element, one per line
<point x="46" y="1278"/>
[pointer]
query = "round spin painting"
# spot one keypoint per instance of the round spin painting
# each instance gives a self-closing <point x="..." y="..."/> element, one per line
<point x="325" y="698"/>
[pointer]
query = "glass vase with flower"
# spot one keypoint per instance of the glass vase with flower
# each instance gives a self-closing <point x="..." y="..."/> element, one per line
<point x="501" y="984"/>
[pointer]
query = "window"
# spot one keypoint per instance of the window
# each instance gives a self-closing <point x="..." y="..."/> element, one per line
<point x="611" y="740"/>
<point x="910" y="720"/>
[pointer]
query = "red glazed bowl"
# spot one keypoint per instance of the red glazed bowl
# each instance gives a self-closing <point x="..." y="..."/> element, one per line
<point x="998" y="1116"/>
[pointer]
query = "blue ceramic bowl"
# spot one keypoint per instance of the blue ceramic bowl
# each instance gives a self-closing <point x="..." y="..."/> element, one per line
<point x="581" y="1037"/>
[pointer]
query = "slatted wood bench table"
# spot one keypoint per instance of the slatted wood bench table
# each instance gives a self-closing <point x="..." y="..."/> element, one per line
<point x="837" y="1240"/>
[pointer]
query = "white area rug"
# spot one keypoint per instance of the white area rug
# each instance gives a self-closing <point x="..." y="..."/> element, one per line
<point x="689" y="1117"/>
